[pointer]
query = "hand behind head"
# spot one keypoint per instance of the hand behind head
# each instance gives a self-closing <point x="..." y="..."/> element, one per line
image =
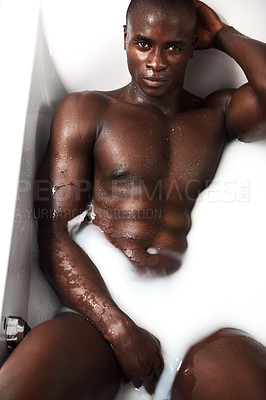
<point x="209" y="24"/>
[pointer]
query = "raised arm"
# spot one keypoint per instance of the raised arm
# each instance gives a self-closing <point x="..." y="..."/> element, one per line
<point x="64" y="182"/>
<point x="245" y="107"/>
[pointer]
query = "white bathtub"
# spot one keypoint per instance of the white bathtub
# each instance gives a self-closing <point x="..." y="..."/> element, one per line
<point x="31" y="92"/>
<point x="53" y="47"/>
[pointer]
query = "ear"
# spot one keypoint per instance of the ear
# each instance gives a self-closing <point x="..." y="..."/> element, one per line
<point x="125" y="36"/>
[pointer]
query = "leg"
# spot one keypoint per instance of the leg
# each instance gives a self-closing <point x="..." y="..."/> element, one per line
<point x="66" y="358"/>
<point x="227" y="365"/>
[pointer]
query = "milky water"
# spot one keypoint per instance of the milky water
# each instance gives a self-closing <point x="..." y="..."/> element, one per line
<point x="179" y="309"/>
<point x="221" y="282"/>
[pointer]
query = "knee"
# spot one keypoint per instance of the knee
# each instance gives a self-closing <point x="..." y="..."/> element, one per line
<point x="227" y="364"/>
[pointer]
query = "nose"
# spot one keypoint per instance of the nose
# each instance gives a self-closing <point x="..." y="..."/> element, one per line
<point x="156" y="60"/>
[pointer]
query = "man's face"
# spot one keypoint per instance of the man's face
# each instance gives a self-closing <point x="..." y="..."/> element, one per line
<point x="159" y="45"/>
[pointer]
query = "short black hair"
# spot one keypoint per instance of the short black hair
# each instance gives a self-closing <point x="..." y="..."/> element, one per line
<point x="187" y="5"/>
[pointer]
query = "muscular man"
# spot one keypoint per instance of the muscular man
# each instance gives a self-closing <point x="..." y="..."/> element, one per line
<point x="127" y="144"/>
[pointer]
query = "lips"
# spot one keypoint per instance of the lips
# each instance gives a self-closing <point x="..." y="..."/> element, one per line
<point x="154" y="82"/>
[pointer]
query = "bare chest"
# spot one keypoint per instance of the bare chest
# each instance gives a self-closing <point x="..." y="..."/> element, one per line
<point x="171" y="153"/>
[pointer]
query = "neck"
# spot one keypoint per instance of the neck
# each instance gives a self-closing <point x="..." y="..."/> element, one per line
<point x="168" y="104"/>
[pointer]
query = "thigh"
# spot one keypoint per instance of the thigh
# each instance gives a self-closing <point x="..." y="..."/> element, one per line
<point x="226" y="365"/>
<point x="64" y="358"/>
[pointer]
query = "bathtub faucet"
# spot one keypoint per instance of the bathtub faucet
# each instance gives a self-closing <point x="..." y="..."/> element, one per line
<point x="15" y="330"/>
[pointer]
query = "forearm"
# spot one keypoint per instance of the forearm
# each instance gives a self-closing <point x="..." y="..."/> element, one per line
<point x="250" y="54"/>
<point x="79" y="283"/>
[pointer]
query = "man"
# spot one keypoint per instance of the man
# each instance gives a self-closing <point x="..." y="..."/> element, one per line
<point x="125" y="142"/>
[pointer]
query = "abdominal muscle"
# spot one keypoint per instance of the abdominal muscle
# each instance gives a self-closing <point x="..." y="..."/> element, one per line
<point x="152" y="236"/>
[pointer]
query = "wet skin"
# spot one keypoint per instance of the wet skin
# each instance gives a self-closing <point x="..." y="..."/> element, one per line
<point x="148" y="149"/>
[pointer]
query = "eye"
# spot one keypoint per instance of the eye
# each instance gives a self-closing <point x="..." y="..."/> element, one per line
<point x="174" y="47"/>
<point x="143" y="45"/>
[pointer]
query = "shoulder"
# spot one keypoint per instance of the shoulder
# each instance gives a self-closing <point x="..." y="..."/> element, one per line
<point x="80" y="114"/>
<point x="82" y="105"/>
<point x="220" y="98"/>
<point x="215" y="106"/>
<point x="218" y="104"/>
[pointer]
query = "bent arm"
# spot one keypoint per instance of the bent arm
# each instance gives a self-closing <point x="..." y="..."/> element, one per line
<point x="246" y="112"/>
<point x="245" y="108"/>
<point x="64" y="181"/>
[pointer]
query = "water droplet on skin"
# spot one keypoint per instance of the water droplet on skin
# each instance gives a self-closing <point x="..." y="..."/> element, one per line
<point x="91" y="213"/>
<point x="129" y="253"/>
<point x="152" y="250"/>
